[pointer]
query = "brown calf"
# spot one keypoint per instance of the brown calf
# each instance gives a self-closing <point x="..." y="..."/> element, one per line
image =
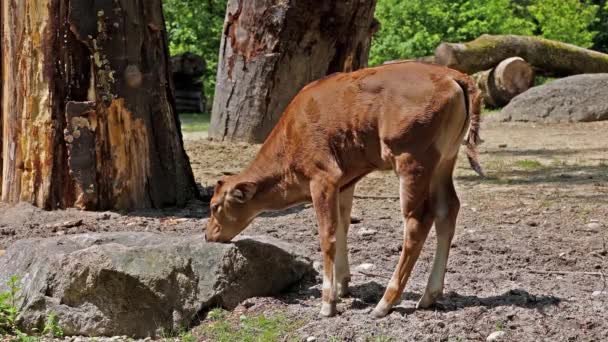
<point x="409" y="117"/>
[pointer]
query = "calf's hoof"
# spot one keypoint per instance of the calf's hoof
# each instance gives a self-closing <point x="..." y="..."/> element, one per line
<point x="382" y="309"/>
<point x="328" y="310"/>
<point x="428" y="300"/>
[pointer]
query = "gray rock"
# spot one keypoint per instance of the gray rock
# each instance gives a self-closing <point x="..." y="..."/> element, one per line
<point x="139" y="284"/>
<point x="580" y="98"/>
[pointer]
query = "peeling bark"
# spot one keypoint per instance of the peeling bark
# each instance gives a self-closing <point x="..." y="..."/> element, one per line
<point x="88" y="110"/>
<point x="272" y="48"/>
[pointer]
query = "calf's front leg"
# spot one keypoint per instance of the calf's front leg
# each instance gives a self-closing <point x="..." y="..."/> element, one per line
<point x="326" y="202"/>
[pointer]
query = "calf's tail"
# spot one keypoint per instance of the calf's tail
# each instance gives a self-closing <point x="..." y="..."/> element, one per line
<point x="473" y="102"/>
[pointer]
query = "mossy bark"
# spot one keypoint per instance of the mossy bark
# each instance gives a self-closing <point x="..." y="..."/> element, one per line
<point x="87" y="106"/>
<point x="548" y="57"/>
<point x="272" y="48"/>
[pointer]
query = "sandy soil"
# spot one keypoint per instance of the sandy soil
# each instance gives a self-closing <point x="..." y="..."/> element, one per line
<point x="525" y="236"/>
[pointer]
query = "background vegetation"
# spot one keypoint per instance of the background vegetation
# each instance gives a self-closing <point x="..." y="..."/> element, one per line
<point x="413" y="28"/>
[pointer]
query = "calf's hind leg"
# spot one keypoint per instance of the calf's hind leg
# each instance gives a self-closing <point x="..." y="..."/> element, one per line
<point x="342" y="268"/>
<point x="414" y="179"/>
<point x="447" y="206"/>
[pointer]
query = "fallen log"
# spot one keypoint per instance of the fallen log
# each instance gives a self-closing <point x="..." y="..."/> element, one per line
<point x="548" y="57"/>
<point x="500" y="85"/>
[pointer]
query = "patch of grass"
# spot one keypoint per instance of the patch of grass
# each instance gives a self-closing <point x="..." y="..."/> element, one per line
<point x="195" y="122"/>
<point x="258" y="328"/>
<point x="528" y="164"/>
<point x="52" y="327"/>
<point x="8" y="307"/>
<point x="500" y="325"/>
<point x="490" y="111"/>
<point x="9" y="313"/>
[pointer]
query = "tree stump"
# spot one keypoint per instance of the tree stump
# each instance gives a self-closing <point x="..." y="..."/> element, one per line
<point x="271" y="49"/>
<point x="187" y="70"/>
<point x="548" y="57"/>
<point x="87" y="107"/>
<point x="500" y="85"/>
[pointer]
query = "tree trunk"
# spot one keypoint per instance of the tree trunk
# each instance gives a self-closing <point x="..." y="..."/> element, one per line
<point x="272" y="48"/>
<point x="550" y="58"/>
<point x="500" y="85"/>
<point x="88" y="110"/>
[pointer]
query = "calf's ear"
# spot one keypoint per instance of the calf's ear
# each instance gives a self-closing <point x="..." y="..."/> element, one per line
<point x="242" y="192"/>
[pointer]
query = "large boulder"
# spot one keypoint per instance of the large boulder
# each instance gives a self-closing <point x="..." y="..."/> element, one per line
<point x="580" y="98"/>
<point x="139" y="284"/>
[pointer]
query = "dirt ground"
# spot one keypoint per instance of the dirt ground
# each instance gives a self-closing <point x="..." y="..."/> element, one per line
<point x="528" y="257"/>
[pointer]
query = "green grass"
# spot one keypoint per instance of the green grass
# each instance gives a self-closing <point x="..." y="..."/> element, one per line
<point x="195" y="122"/>
<point x="257" y="328"/>
<point x="528" y="164"/>
<point x="9" y="313"/>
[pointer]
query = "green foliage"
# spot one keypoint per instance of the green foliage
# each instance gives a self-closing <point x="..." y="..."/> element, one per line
<point x="565" y="20"/>
<point x="600" y="42"/>
<point x="9" y="313"/>
<point x="259" y="328"/>
<point x="8" y="307"/>
<point x="51" y="326"/>
<point x="414" y="28"/>
<point x="196" y="26"/>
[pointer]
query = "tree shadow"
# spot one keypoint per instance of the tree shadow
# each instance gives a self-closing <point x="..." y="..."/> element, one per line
<point x="539" y="152"/>
<point x="571" y="174"/>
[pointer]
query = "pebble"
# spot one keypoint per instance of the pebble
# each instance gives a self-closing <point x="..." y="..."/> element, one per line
<point x="2" y="252"/>
<point x="365" y="267"/>
<point x="495" y="336"/>
<point x="311" y="339"/>
<point x="599" y="293"/>
<point x="364" y="232"/>
<point x="594" y="225"/>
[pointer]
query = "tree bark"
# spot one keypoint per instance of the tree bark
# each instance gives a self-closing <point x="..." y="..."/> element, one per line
<point x="272" y="48"/>
<point x="88" y="109"/>
<point x="500" y="85"/>
<point x="550" y="58"/>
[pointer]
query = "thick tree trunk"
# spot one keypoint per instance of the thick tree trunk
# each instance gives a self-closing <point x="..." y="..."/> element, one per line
<point x="550" y="58"/>
<point x="88" y="110"/>
<point x="500" y="85"/>
<point x="272" y="48"/>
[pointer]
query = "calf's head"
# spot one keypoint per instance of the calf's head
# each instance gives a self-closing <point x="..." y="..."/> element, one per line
<point x="232" y="209"/>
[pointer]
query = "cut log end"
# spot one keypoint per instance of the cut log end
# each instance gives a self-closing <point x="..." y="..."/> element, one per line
<point x="500" y="85"/>
<point x="514" y="76"/>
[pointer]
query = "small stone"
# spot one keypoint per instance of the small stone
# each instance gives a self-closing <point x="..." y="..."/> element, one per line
<point x="598" y="293"/>
<point x="311" y="339"/>
<point x="2" y="252"/>
<point x="502" y="145"/>
<point x="495" y="336"/>
<point x="594" y="225"/>
<point x="71" y="224"/>
<point x="365" y="232"/>
<point x="365" y="267"/>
